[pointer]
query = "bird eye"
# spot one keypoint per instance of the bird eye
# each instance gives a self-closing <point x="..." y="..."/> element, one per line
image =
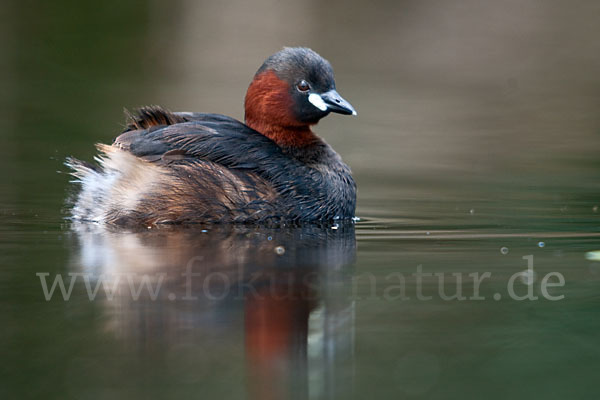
<point x="303" y="86"/>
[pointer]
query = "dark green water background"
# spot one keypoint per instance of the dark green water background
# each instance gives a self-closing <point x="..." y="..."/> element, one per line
<point x="476" y="145"/>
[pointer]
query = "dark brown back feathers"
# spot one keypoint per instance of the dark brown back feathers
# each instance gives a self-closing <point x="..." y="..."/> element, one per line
<point x="194" y="167"/>
<point x="149" y="116"/>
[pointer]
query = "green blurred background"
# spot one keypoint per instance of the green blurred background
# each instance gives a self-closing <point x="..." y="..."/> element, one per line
<point x="468" y="90"/>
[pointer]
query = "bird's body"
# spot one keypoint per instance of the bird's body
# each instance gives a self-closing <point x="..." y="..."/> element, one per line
<point x="191" y="167"/>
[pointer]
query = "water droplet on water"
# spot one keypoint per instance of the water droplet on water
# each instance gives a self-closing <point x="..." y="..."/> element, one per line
<point x="504" y="250"/>
<point x="593" y="255"/>
<point x="472" y="211"/>
<point x="541" y="244"/>
<point x="280" y="250"/>
<point x="595" y="209"/>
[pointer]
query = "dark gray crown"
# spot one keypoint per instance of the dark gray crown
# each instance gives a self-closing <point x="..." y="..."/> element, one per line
<point x="295" y="63"/>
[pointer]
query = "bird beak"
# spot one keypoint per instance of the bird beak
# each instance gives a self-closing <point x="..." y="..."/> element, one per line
<point x="335" y="103"/>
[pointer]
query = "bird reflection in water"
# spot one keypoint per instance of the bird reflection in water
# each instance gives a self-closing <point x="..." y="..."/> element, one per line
<point x="283" y="294"/>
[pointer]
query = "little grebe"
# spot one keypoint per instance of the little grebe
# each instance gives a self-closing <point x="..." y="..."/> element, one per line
<point x="180" y="167"/>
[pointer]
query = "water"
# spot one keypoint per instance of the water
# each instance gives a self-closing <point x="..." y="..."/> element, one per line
<point x="475" y="152"/>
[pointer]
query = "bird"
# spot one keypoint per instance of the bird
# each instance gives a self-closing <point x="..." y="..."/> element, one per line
<point x="187" y="167"/>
